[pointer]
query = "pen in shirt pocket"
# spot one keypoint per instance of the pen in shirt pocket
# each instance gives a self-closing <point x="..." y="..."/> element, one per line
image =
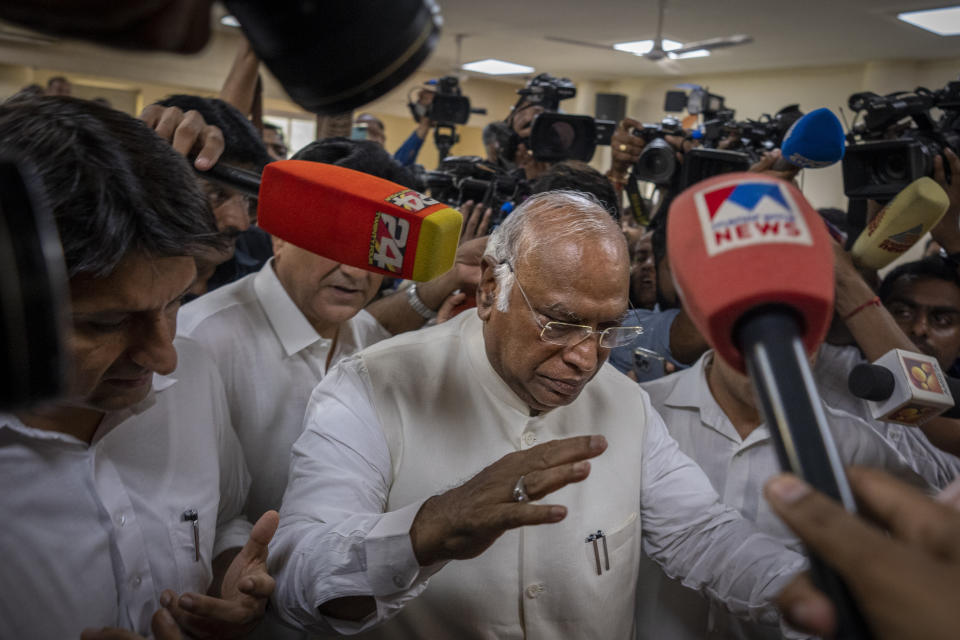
<point x="598" y="540"/>
<point x="191" y="515"/>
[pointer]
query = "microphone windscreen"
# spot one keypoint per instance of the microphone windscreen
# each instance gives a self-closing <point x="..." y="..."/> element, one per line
<point x="871" y="382"/>
<point x="900" y="224"/>
<point x="815" y="140"/>
<point x="358" y="219"/>
<point x="738" y="242"/>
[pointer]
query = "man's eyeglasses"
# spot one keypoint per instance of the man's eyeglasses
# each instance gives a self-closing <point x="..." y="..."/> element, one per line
<point x="566" y="334"/>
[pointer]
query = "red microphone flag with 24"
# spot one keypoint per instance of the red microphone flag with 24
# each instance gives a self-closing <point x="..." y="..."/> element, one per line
<point x="358" y="219"/>
<point x="742" y="241"/>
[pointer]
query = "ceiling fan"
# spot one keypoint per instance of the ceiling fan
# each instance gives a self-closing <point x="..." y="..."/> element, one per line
<point x="657" y="53"/>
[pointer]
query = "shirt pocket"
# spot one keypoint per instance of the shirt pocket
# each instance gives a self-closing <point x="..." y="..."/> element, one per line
<point x="616" y="551"/>
<point x="193" y="574"/>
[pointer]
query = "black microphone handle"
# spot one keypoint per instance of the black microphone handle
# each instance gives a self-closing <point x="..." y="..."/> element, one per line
<point x="769" y="339"/>
<point x="243" y="180"/>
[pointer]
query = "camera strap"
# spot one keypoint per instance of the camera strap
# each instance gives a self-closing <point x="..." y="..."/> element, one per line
<point x="638" y="206"/>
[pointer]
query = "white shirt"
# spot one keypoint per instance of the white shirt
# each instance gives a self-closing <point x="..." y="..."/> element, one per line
<point x="737" y="469"/>
<point x="270" y="358"/>
<point x="832" y="371"/>
<point x="420" y="413"/>
<point x="93" y="534"/>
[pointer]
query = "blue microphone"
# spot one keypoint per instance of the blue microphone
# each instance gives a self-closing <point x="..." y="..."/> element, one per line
<point x="814" y="141"/>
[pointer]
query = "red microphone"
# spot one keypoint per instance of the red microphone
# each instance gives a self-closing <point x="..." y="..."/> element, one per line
<point x="753" y="265"/>
<point x="350" y="216"/>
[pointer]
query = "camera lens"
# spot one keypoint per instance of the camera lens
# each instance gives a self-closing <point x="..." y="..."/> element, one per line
<point x="657" y="162"/>
<point x="560" y="136"/>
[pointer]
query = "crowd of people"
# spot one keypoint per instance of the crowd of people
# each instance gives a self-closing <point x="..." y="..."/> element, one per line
<point x="259" y="441"/>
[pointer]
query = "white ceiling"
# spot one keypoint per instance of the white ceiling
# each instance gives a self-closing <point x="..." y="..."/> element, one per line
<point x="787" y="33"/>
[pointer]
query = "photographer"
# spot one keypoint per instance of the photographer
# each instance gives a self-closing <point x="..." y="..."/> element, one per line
<point x="406" y="155"/>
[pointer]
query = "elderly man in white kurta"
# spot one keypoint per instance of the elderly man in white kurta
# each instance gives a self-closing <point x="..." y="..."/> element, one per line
<point x="424" y="460"/>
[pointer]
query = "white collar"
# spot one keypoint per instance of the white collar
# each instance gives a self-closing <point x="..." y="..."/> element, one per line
<point x="472" y="332"/>
<point x="691" y="391"/>
<point x="291" y="327"/>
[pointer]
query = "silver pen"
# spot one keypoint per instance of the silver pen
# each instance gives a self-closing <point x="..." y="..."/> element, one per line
<point x="191" y="515"/>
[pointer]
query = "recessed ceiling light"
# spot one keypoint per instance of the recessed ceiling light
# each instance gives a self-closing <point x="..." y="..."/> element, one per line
<point x="696" y="53"/>
<point x="229" y="21"/>
<point x="640" y="47"/>
<point x="494" y="67"/>
<point x="943" y="22"/>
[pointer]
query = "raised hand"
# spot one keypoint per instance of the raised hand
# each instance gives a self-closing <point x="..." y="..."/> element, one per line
<point x="464" y="521"/>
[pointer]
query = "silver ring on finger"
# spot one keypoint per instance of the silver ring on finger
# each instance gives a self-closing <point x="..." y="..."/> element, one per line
<point x="520" y="491"/>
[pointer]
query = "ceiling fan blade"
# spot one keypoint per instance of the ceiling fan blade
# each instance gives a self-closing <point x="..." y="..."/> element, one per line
<point x="669" y="66"/>
<point x="593" y="45"/>
<point x="714" y="43"/>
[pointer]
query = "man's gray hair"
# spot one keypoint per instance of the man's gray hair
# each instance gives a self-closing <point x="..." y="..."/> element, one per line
<point x="543" y="219"/>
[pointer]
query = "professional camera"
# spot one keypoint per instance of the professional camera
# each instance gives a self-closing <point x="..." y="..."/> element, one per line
<point x="755" y="137"/>
<point x="559" y="136"/>
<point x="698" y="101"/>
<point x="658" y="160"/>
<point x="898" y="139"/>
<point x="462" y="178"/>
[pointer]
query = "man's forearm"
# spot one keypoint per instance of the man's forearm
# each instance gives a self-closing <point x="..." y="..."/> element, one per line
<point x="395" y="314"/>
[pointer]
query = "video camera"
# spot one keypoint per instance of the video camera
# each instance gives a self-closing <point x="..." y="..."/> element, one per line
<point x="658" y="161"/>
<point x="898" y="139"/>
<point x="462" y="178"/>
<point x="449" y="106"/>
<point x="559" y="136"/>
<point x="766" y="133"/>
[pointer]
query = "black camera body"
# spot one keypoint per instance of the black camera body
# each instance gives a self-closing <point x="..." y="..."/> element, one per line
<point x="658" y="160"/>
<point x="559" y="136"/>
<point x="547" y="91"/>
<point x="449" y="107"/>
<point x="462" y="178"/>
<point x="877" y="165"/>
<point x="755" y="137"/>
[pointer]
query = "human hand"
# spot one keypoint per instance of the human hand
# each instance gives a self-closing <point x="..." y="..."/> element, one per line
<point x="947" y="231"/>
<point x="454" y="300"/>
<point x="162" y="625"/>
<point x="625" y="147"/>
<point x="188" y="133"/>
<point x="766" y="166"/>
<point x="244" y="591"/>
<point x="476" y="220"/>
<point x="905" y="583"/>
<point x="464" y="521"/>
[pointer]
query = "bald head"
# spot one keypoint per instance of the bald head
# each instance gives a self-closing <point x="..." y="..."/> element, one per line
<point x="558" y="230"/>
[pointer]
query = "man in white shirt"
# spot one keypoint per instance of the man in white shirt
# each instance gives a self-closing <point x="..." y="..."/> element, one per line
<point x="127" y="491"/>
<point x="276" y="333"/>
<point x="501" y="405"/>
<point x="710" y="411"/>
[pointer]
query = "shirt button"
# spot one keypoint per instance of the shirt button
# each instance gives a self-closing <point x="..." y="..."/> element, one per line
<point x="137" y="581"/>
<point x="534" y="590"/>
<point x="529" y="438"/>
<point x="399" y="582"/>
<point x="122" y="519"/>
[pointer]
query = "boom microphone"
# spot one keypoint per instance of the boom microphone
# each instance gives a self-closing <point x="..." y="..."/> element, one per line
<point x="754" y="267"/>
<point x="350" y="217"/>
<point x="900" y="224"/>
<point x="814" y="141"/>
<point x="905" y="387"/>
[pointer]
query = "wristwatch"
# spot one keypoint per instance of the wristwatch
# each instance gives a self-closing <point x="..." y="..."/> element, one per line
<point x="417" y="305"/>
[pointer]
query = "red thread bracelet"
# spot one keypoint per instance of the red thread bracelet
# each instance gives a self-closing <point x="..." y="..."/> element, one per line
<point x="875" y="301"/>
